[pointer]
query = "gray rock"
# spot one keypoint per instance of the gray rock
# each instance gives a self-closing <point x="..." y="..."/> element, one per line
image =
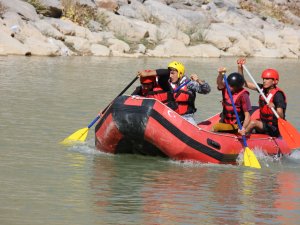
<point x="48" y="30"/>
<point x="53" y="8"/>
<point x="100" y="50"/>
<point x="24" y="9"/>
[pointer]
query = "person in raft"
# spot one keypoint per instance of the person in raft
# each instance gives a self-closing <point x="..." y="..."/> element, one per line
<point x="150" y="88"/>
<point x="268" y="122"/>
<point x="228" y="121"/>
<point x="184" y="88"/>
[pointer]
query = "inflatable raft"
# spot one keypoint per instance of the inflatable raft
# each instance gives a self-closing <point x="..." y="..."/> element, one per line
<point x="136" y="125"/>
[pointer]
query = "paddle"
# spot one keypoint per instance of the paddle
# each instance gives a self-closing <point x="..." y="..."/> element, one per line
<point x="289" y="133"/>
<point x="249" y="157"/>
<point x="183" y="84"/>
<point x="81" y="134"/>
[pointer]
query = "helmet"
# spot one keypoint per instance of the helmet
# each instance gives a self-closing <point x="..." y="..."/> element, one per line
<point x="178" y="66"/>
<point x="147" y="80"/>
<point x="270" y="74"/>
<point x="236" y="80"/>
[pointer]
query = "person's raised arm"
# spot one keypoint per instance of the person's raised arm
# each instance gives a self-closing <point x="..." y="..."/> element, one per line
<point x="248" y="84"/>
<point x="146" y="73"/>
<point x="198" y="85"/>
<point x="220" y="82"/>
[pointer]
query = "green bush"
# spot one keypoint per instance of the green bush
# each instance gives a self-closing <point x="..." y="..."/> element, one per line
<point x="82" y="14"/>
<point x="37" y="5"/>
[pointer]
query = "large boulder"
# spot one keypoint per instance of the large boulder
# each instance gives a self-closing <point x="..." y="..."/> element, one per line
<point x="100" y="50"/>
<point x="11" y="46"/>
<point x="116" y="45"/>
<point x="168" y="15"/>
<point x="136" y="10"/>
<point x="132" y="29"/>
<point x="167" y="31"/>
<point x="24" y="9"/>
<point x="42" y="47"/>
<point x="81" y="45"/>
<point x="204" y="50"/>
<point x="169" y="48"/>
<point x="65" y="26"/>
<point x="48" y="30"/>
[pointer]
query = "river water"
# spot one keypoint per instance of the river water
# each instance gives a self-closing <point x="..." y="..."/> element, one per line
<point x="45" y="99"/>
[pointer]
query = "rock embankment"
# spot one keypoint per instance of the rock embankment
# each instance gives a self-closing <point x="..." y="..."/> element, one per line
<point x="158" y="28"/>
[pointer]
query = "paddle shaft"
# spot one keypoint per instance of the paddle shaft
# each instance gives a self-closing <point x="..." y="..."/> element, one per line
<point x="260" y="91"/>
<point x="180" y="86"/>
<point x="234" y="109"/>
<point x="122" y="92"/>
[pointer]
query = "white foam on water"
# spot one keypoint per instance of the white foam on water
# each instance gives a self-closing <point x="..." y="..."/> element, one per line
<point x="294" y="157"/>
<point x="265" y="160"/>
<point x="196" y="164"/>
<point x="87" y="147"/>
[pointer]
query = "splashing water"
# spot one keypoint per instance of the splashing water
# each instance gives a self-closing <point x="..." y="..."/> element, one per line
<point x="294" y="157"/>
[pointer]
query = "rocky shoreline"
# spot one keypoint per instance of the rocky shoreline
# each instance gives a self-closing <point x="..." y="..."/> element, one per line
<point x="155" y="28"/>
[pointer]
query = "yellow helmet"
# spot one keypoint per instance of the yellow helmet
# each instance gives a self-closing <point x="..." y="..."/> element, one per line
<point x="178" y="66"/>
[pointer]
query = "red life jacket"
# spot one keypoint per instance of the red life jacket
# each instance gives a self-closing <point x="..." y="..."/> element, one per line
<point x="159" y="94"/>
<point x="266" y="114"/>
<point x="228" y="111"/>
<point x="185" y="100"/>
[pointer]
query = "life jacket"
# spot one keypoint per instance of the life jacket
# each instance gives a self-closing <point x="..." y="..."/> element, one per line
<point x="228" y="111"/>
<point x="266" y="114"/>
<point x="185" y="99"/>
<point x="159" y="94"/>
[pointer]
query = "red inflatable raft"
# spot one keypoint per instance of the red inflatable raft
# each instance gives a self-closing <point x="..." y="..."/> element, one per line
<point x="148" y="127"/>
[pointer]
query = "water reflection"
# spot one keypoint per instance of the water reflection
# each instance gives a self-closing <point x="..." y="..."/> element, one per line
<point x="155" y="191"/>
<point x="287" y="203"/>
<point x="46" y="98"/>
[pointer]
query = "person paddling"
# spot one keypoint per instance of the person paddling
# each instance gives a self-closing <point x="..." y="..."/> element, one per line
<point x="184" y="88"/>
<point x="267" y="123"/>
<point x="228" y="121"/>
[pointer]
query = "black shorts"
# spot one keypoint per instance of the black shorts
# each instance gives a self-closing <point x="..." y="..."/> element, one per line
<point x="271" y="130"/>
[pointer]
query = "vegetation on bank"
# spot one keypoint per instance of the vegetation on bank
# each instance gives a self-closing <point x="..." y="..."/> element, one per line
<point x="73" y="10"/>
<point x="82" y="14"/>
<point x="2" y="9"/>
<point x="270" y="9"/>
<point x="38" y="6"/>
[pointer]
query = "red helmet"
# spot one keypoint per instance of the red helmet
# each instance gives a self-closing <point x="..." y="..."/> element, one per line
<point x="270" y="74"/>
<point x="147" y="80"/>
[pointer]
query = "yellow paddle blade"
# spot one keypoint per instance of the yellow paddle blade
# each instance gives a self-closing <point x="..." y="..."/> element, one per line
<point x="250" y="159"/>
<point x="78" y="136"/>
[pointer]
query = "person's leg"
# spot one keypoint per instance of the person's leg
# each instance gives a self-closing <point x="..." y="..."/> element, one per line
<point x="225" y="127"/>
<point x="254" y="124"/>
<point x="273" y="131"/>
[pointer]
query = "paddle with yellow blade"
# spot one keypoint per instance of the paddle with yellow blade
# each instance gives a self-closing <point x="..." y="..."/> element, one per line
<point x="289" y="133"/>
<point x="249" y="156"/>
<point x="80" y="135"/>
